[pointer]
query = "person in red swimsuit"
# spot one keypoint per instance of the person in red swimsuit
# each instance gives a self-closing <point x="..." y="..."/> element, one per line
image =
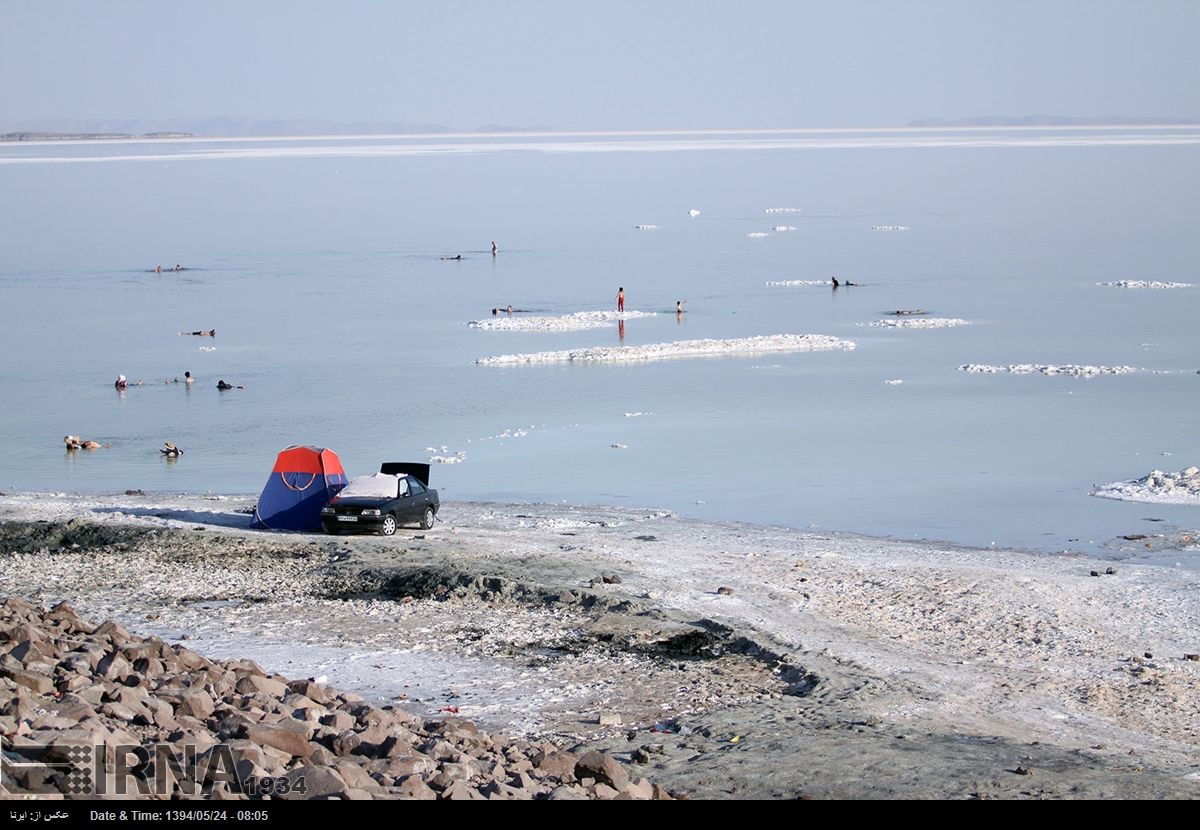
<point x="621" y="299"/>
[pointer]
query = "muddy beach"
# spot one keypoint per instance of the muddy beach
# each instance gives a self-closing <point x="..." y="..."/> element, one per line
<point x="724" y="660"/>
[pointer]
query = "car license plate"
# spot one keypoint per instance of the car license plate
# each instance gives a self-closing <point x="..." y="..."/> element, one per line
<point x="347" y="518"/>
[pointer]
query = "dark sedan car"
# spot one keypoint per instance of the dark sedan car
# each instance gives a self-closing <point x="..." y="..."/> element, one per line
<point x="398" y="494"/>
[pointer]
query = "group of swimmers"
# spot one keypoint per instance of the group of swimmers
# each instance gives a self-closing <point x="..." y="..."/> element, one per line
<point x="122" y="383"/>
<point x="159" y="269"/>
<point x="620" y="302"/>
<point x="74" y="442"/>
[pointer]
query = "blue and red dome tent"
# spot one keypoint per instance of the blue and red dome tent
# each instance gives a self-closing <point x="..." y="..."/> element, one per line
<point x="303" y="480"/>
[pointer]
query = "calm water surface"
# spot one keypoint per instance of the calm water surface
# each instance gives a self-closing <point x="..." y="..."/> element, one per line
<point x="323" y="277"/>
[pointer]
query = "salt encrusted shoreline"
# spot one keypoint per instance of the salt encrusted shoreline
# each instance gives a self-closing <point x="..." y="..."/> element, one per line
<point x="766" y="344"/>
<point x="827" y="665"/>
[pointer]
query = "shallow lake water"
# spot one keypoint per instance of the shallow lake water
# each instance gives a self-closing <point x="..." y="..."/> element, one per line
<point x="320" y="266"/>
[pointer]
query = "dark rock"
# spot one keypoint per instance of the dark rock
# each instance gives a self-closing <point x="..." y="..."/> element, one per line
<point x="604" y="768"/>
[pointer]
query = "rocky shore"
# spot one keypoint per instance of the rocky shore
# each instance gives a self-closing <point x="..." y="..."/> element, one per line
<point x="94" y="711"/>
<point x="716" y="660"/>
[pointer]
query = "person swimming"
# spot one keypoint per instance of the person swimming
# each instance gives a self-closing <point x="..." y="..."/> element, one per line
<point x="170" y="450"/>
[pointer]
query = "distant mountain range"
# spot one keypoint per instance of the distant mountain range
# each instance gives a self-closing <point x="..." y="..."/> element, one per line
<point x="1048" y="121"/>
<point x="224" y="127"/>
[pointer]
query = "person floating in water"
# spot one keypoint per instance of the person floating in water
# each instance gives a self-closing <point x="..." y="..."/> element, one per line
<point x="209" y="333"/>
<point x="223" y="385"/>
<point x="74" y="442"/>
<point x="170" y="450"/>
<point x="621" y="298"/>
<point x="453" y="257"/>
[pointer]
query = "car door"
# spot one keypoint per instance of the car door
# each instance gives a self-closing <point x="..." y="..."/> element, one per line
<point x="419" y="498"/>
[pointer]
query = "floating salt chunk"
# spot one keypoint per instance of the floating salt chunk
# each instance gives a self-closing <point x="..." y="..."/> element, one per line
<point x="798" y="282"/>
<point x="757" y="235"/>
<point x="782" y="210"/>
<point x="1157" y="488"/>
<point x="620" y="447"/>
<point x="1045" y="369"/>
<point x="693" y="212"/>
<point x="1145" y="284"/>
<point x="778" y="343"/>
<point x="646" y="227"/>
<point x="893" y="382"/>
<point x="783" y="228"/>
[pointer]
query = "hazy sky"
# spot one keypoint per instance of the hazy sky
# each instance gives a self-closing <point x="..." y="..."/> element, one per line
<point x="611" y="65"/>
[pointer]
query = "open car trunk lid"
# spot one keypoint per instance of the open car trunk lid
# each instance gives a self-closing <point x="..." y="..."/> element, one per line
<point x="404" y="468"/>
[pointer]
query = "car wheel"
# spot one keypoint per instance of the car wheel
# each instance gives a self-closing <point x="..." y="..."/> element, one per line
<point x="427" y="519"/>
<point x="388" y="528"/>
